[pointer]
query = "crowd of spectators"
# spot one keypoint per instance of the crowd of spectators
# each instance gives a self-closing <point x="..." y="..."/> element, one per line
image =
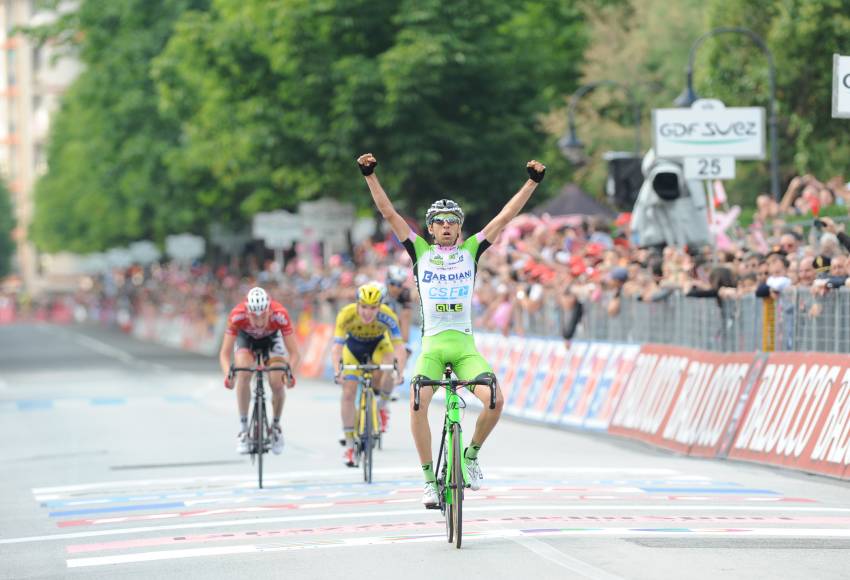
<point x="539" y="276"/>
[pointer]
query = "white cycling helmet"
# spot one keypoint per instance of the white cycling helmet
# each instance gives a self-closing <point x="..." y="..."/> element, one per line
<point x="257" y="301"/>
<point x="443" y="206"/>
<point x="396" y="275"/>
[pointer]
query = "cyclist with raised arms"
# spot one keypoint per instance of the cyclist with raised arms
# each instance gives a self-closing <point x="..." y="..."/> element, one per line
<point x="366" y="331"/>
<point x="257" y="320"/>
<point x="444" y="274"/>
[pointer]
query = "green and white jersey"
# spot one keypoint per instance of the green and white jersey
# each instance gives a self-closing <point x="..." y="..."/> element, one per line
<point x="445" y="277"/>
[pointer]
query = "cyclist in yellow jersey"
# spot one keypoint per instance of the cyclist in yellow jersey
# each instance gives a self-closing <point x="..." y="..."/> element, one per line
<point x="366" y="331"/>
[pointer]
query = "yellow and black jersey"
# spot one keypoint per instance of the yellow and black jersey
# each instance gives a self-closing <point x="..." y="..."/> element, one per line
<point x="351" y="328"/>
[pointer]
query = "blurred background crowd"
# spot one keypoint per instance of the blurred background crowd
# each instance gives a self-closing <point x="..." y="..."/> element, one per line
<point x="540" y="278"/>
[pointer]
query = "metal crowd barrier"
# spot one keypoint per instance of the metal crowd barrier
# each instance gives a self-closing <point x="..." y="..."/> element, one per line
<point x="748" y="324"/>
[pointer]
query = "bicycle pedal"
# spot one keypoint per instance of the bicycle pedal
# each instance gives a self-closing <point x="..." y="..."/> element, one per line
<point x="432" y="506"/>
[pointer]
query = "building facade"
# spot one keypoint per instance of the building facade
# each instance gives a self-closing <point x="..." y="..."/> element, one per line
<point x="33" y="79"/>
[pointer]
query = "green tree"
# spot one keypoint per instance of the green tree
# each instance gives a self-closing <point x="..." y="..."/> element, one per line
<point x="802" y="36"/>
<point x="107" y="183"/>
<point x="276" y="99"/>
<point x="642" y="44"/>
<point x="7" y="224"/>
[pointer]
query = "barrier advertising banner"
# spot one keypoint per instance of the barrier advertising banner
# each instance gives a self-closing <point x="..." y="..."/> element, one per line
<point x="607" y="394"/>
<point x="798" y="415"/>
<point x="712" y="385"/>
<point x="649" y="393"/>
<point x="683" y="399"/>
<point x="534" y="364"/>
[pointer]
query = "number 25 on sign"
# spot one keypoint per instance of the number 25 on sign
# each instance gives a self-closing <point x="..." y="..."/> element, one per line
<point x="709" y="167"/>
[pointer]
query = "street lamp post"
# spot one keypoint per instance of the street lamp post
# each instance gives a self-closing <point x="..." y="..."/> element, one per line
<point x="688" y="96"/>
<point x="569" y="144"/>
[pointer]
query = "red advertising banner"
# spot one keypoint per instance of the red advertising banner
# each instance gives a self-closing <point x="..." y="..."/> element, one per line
<point x="798" y="415"/>
<point x="712" y="385"/>
<point x="649" y="393"/>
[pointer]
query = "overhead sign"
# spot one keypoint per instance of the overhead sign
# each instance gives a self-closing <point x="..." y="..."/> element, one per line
<point x="841" y="86"/>
<point x="709" y="132"/>
<point x="185" y="247"/>
<point x="327" y="215"/>
<point x="278" y="229"/>
<point x="144" y="252"/>
<point x="709" y="168"/>
<point x="119" y="257"/>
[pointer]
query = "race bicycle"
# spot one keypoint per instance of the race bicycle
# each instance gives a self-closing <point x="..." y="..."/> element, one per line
<point x="367" y="428"/>
<point x="259" y="429"/>
<point x="452" y="475"/>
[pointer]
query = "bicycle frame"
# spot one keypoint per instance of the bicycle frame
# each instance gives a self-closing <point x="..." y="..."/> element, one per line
<point x="450" y="487"/>
<point x="366" y="427"/>
<point x="259" y="429"/>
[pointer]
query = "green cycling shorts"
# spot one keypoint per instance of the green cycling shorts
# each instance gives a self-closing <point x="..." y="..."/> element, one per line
<point x="450" y="346"/>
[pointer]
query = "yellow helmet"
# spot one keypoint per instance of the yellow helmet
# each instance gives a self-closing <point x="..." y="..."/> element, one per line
<point x="370" y="295"/>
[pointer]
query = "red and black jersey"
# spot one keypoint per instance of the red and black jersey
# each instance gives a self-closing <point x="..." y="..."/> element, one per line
<point x="279" y="320"/>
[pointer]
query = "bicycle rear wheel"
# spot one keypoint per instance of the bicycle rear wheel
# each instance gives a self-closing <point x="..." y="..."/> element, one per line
<point x="367" y="440"/>
<point x="457" y="485"/>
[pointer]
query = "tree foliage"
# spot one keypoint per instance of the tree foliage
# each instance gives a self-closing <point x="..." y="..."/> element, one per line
<point x="642" y="44"/>
<point x="276" y="99"/>
<point x="191" y="112"/>
<point x="802" y="36"/>
<point x="106" y="183"/>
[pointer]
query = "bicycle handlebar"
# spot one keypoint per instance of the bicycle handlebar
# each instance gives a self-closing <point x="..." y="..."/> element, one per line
<point x="445" y="383"/>
<point x="284" y="368"/>
<point x="368" y="367"/>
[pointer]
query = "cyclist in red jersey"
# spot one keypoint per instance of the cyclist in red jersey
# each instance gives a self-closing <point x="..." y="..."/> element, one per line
<point x="259" y="319"/>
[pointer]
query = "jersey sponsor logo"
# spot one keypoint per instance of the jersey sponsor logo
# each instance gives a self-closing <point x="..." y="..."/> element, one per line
<point x="436" y="260"/>
<point x="458" y="307"/>
<point x="429" y="276"/>
<point x="445" y="292"/>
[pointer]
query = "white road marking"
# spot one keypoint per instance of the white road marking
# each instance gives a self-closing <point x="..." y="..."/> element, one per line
<point x="106" y="349"/>
<point x="103" y="348"/>
<point x="275" y="478"/>
<point x="577" y="566"/>
<point x="259" y="521"/>
<point x="574" y="565"/>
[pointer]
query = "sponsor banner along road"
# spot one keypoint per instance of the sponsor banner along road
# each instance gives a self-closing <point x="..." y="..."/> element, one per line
<point x="798" y="415"/>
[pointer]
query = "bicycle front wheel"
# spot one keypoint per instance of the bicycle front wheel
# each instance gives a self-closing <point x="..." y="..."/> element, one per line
<point x="261" y="444"/>
<point x="367" y="441"/>
<point x="457" y="485"/>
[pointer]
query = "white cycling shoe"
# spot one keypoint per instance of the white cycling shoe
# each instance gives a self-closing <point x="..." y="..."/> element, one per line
<point x="242" y="443"/>
<point x="277" y="441"/>
<point x="429" y="495"/>
<point x="475" y="475"/>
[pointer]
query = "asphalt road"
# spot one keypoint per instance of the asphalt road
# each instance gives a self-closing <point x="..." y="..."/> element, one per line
<point x="118" y="461"/>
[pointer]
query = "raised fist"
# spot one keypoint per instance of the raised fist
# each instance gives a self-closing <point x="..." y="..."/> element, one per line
<point x="536" y="170"/>
<point x="367" y="163"/>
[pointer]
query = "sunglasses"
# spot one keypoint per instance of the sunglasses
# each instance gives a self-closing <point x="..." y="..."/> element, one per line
<point x="445" y="220"/>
